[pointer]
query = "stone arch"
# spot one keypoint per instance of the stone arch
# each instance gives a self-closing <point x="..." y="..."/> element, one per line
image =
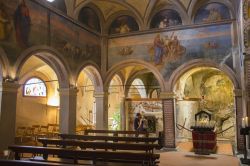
<point x="113" y="70"/>
<point x="114" y="16"/>
<point x="195" y="6"/>
<point x="52" y="58"/>
<point x="239" y="109"/>
<point x="96" y="10"/>
<point x="93" y="72"/>
<point x="131" y="79"/>
<point x="204" y="63"/>
<point x="4" y="65"/>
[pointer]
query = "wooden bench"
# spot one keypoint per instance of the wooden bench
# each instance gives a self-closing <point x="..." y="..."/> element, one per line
<point x="27" y="162"/>
<point x="111" y="138"/>
<point x="148" y="148"/>
<point x="143" y="158"/>
<point x="117" y="132"/>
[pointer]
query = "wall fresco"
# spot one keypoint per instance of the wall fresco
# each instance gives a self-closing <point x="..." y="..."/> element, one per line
<point x="123" y="24"/>
<point x="165" y="19"/>
<point x="212" y="12"/>
<point x="169" y="50"/>
<point x="24" y="24"/>
<point x="89" y="18"/>
<point x="75" y="44"/>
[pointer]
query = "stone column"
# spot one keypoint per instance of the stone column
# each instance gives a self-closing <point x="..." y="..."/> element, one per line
<point x="104" y="54"/>
<point x="67" y="118"/>
<point x="8" y="100"/>
<point x="168" y="101"/>
<point x="239" y="116"/>
<point x="123" y="113"/>
<point x="101" y="111"/>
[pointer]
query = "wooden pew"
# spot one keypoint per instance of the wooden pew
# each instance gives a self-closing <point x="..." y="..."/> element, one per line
<point x="27" y="162"/>
<point x="110" y="138"/>
<point x="148" y="148"/>
<point x="144" y="158"/>
<point x="117" y="132"/>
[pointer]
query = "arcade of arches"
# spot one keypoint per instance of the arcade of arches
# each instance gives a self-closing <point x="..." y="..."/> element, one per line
<point x="92" y="64"/>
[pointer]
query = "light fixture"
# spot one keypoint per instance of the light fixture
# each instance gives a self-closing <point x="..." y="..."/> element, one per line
<point x="50" y="0"/>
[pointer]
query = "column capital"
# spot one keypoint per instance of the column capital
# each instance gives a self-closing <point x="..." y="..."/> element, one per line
<point x="167" y="95"/>
<point x="72" y="91"/>
<point x="100" y="94"/>
<point x="9" y="87"/>
<point x="238" y="93"/>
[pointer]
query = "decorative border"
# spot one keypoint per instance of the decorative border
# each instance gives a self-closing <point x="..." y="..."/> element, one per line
<point x="247" y="36"/>
<point x="245" y="9"/>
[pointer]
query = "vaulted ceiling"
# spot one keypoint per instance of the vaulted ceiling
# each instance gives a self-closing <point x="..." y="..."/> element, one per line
<point x="140" y="8"/>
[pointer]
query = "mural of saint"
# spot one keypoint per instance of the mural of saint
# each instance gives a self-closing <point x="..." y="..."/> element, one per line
<point x="166" y="18"/>
<point x="22" y="23"/>
<point x="166" y="49"/>
<point x="88" y="17"/>
<point x="212" y="12"/>
<point x="123" y="24"/>
<point x="158" y="50"/>
<point x="5" y="26"/>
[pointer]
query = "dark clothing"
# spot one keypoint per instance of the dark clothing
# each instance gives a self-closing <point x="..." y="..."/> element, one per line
<point x="22" y="24"/>
<point x="137" y="125"/>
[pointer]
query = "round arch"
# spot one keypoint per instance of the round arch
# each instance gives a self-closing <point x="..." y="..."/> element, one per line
<point x="196" y="5"/>
<point x="131" y="79"/>
<point x="114" y="16"/>
<point x="95" y="9"/>
<point x="93" y="72"/>
<point x="135" y="62"/>
<point x="4" y="65"/>
<point x="204" y="63"/>
<point x="177" y="7"/>
<point x="49" y="56"/>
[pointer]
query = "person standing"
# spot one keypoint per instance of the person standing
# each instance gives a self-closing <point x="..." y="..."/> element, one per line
<point x="138" y="122"/>
<point x="158" y="50"/>
<point x="22" y="24"/>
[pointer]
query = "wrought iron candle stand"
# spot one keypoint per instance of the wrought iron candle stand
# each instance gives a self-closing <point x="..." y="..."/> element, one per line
<point x="245" y="132"/>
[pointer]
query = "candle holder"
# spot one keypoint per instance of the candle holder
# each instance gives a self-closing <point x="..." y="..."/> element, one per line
<point x="245" y="131"/>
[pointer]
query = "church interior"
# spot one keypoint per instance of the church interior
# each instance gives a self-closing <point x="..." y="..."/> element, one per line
<point x="112" y="82"/>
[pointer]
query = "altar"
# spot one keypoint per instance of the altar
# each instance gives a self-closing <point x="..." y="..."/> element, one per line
<point x="203" y="135"/>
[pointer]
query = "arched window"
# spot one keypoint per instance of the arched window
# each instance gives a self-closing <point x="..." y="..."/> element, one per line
<point x="35" y="87"/>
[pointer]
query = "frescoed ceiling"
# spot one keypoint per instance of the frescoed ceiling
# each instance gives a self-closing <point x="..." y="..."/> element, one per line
<point x="143" y="9"/>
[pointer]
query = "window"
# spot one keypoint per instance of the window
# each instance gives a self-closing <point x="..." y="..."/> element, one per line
<point x="35" y="87"/>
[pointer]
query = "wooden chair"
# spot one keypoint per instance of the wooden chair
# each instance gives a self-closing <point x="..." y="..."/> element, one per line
<point x="20" y="133"/>
<point x="43" y="131"/>
<point x="53" y="130"/>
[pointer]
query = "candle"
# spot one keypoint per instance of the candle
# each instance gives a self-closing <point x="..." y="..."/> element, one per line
<point x="243" y="124"/>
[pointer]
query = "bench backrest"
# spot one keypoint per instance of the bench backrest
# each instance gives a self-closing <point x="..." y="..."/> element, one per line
<point x="31" y="163"/>
<point x="117" y="132"/>
<point x="99" y="145"/>
<point x="109" y="138"/>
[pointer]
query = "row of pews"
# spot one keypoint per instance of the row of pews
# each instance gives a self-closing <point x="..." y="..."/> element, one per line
<point x="95" y="146"/>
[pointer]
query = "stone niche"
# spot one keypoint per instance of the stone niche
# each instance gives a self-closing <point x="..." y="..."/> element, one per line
<point x="151" y="109"/>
